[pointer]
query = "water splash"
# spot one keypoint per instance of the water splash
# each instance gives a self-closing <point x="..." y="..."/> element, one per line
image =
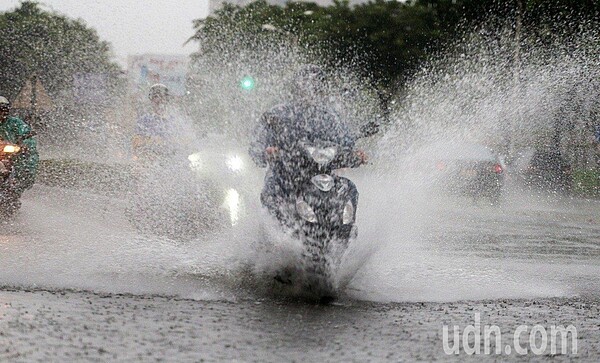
<point x="412" y="245"/>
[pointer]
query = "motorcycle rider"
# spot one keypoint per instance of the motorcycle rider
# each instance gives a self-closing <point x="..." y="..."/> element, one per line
<point x="154" y="129"/>
<point x="16" y="131"/>
<point x="288" y="123"/>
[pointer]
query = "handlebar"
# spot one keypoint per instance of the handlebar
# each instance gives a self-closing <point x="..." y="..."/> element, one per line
<point x="369" y="129"/>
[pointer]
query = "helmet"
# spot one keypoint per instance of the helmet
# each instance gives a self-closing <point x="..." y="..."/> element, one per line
<point x="4" y="106"/>
<point x="4" y="102"/>
<point x="158" y="90"/>
<point x="309" y="80"/>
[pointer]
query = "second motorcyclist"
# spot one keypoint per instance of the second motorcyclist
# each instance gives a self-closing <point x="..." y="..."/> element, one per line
<point x="154" y="130"/>
<point x="15" y="131"/>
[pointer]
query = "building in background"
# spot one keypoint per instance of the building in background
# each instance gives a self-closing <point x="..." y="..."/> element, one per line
<point x="147" y="69"/>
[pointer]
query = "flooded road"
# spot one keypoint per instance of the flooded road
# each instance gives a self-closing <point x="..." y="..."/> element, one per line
<point x="80" y="283"/>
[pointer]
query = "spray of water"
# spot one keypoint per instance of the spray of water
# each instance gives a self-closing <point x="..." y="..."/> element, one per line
<point x="412" y="245"/>
<point x="479" y="93"/>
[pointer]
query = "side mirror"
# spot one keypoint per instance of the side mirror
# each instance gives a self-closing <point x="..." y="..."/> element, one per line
<point x="369" y="129"/>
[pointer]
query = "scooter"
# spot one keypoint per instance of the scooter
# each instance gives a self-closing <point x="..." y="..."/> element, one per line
<point x="317" y="206"/>
<point x="184" y="198"/>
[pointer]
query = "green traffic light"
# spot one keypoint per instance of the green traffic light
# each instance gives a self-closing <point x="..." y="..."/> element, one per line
<point x="247" y="83"/>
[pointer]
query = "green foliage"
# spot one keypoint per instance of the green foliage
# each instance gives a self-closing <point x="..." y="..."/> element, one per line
<point x="386" y="41"/>
<point x="50" y="45"/>
<point x="586" y="182"/>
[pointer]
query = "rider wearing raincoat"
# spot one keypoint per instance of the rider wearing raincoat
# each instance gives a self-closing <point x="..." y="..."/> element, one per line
<point x="16" y="131"/>
<point x="290" y="122"/>
<point x="154" y="130"/>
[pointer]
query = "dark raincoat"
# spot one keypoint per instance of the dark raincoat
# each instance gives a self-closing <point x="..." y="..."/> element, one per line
<point x="285" y="125"/>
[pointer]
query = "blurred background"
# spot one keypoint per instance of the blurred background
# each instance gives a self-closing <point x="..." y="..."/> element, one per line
<point x="519" y="76"/>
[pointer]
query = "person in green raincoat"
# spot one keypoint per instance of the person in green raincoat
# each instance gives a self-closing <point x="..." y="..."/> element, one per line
<point x="16" y="131"/>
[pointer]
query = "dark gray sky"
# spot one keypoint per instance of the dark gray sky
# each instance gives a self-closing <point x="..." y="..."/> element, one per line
<point x="133" y="26"/>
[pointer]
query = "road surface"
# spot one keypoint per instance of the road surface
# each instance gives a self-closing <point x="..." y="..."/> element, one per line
<point x="79" y="283"/>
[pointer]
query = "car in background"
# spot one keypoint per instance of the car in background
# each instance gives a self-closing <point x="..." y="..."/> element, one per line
<point x="542" y="169"/>
<point x="469" y="169"/>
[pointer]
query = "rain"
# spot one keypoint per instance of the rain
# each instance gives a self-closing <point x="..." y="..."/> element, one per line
<point x="334" y="181"/>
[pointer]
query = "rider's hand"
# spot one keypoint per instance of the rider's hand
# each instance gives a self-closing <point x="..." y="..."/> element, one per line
<point x="23" y="148"/>
<point x="271" y="152"/>
<point x="361" y="156"/>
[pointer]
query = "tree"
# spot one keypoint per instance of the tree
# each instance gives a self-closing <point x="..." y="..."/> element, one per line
<point x="384" y="42"/>
<point x="50" y="46"/>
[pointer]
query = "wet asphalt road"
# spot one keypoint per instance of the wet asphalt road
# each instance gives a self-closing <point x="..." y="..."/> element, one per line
<point x="544" y="253"/>
<point x="46" y="326"/>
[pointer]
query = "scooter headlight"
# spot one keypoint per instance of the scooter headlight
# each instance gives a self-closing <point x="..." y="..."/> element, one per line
<point x="348" y="216"/>
<point x="232" y="202"/>
<point x="305" y="211"/>
<point x="323" y="181"/>
<point x="195" y="161"/>
<point x="235" y="163"/>
<point x="11" y="149"/>
<point x="322" y="156"/>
